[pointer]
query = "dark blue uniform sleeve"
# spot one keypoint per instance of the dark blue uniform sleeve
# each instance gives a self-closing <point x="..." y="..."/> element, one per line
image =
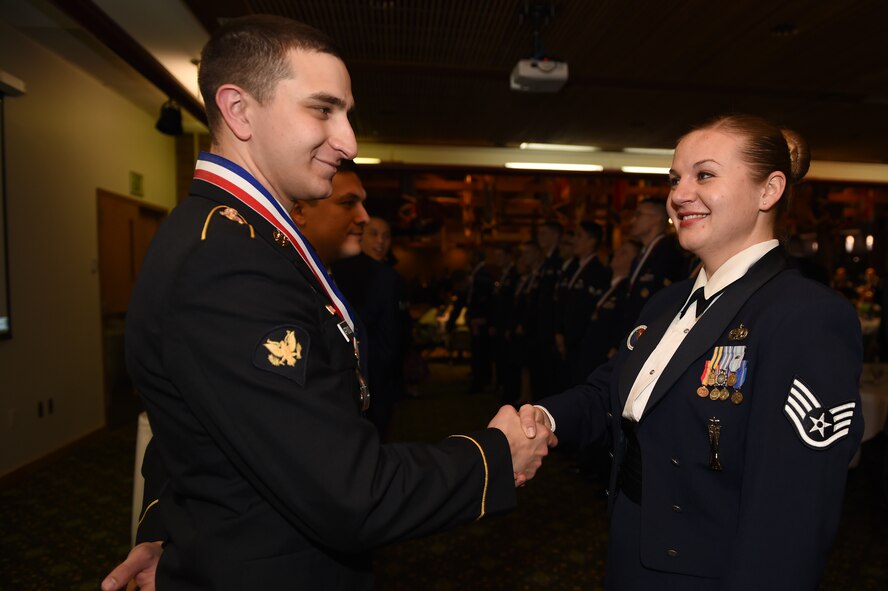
<point x="583" y="413"/>
<point x="793" y="482"/>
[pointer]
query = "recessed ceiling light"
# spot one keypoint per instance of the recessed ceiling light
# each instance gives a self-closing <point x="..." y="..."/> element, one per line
<point x="557" y="147"/>
<point x="653" y="151"/>
<point x="555" y="166"/>
<point x="645" y="169"/>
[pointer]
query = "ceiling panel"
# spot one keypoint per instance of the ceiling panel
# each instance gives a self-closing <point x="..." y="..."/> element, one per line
<point x="641" y="72"/>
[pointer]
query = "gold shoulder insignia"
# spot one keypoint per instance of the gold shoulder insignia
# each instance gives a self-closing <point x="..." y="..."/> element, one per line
<point x="229" y="213"/>
<point x="280" y="238"/>
<point x="285" y="352"/>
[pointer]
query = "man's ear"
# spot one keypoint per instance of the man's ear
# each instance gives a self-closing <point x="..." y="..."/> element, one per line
<point x="298" y="212"/>
<point x="233" y="102"/>
<point x="774" y="188"/>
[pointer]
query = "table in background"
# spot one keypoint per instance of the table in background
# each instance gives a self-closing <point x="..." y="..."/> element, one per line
<point x="873" y="401"/>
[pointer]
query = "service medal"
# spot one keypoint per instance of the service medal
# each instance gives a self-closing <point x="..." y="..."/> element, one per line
<point x="703" y="391"/>
<point x="363" y="391"/>
<point x="737" y="396"/>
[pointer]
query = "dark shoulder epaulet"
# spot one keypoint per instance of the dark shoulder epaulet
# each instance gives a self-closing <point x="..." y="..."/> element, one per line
<point x="228" y="213"/>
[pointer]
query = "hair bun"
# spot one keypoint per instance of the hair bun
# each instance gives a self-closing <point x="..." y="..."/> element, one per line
<point x="799" y="156"/>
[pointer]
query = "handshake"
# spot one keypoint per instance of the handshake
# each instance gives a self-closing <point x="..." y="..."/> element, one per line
<point x="530" y="437"/>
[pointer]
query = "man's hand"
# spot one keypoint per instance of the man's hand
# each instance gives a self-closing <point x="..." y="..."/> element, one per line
<point x="527" y="452"/>
<point x="140" y="566"/>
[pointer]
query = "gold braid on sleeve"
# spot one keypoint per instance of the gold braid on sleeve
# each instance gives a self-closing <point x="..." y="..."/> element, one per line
<point x="486" y="473"/>
<point x="148" y="508"/>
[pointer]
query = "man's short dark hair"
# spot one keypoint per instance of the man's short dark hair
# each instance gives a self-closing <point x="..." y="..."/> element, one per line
<point x="533" y="245"/>
<point x="554" y="226"/>
<point x="593" y="230"/>
<point x="251" y="52"/>
<point x="658" y="204"/>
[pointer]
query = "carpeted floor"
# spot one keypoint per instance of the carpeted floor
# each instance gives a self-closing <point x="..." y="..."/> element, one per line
<point x="64" y="525"/>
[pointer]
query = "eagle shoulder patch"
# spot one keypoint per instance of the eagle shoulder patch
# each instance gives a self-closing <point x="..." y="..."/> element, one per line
<point x="283" y="350"/>
<point x="817" y="427"/>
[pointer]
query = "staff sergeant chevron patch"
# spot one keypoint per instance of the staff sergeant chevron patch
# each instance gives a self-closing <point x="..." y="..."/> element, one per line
<point x="818" y="428"/>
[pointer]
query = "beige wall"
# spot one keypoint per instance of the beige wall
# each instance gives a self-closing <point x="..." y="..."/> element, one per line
<point x="66" y="137"/>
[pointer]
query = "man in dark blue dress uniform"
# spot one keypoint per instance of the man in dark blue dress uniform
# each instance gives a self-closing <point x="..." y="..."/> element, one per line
<point x="379" y="296"/>
<point x="503" y="311"/>
<point x="541" y="298"/>
<point x="660" y="262"/>
<point x="580" y="291"/>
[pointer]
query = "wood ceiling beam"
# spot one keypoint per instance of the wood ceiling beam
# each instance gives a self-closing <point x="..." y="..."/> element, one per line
<point x="93" y="19"/>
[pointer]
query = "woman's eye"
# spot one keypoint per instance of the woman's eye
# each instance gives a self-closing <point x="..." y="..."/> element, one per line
<point x="673" y="181"/>
<point x="704" y="175"/>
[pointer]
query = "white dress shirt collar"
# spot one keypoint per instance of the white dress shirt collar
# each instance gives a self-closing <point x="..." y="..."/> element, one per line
<point x="734" y="268"/>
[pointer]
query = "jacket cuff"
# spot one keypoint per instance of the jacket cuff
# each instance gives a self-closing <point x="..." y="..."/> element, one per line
<point x="498" y="492"/>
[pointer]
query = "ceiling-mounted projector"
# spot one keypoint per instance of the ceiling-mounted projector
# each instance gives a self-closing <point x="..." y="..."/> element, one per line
<point x="538" y="75"/>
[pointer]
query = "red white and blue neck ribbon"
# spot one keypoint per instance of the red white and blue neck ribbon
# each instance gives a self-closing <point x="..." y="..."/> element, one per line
<point x="230" y="177"/>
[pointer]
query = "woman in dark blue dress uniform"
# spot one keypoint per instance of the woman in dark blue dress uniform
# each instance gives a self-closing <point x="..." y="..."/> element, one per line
<point x="733" y="404"/>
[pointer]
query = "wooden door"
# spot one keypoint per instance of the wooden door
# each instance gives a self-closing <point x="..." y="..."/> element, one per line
<point x="125" y="228"/>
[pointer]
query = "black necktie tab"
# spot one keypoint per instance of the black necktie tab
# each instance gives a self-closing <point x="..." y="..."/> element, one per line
<point x="702" y="302"/>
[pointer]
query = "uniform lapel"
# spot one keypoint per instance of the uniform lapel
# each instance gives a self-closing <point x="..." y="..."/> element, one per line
<point x="715" y="322"/>
<point x="646" y="345"/>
